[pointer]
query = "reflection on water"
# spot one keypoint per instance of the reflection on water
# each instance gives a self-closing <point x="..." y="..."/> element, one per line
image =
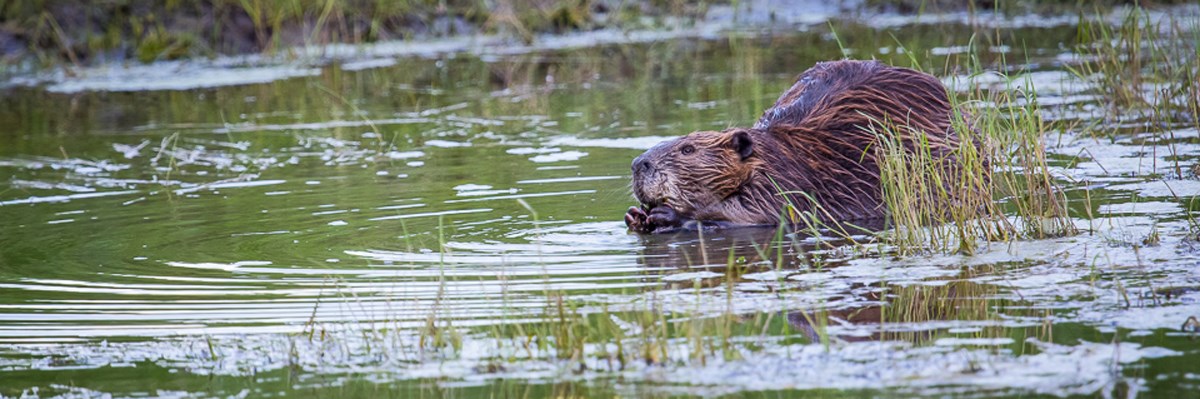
<point x="455" y="221"/>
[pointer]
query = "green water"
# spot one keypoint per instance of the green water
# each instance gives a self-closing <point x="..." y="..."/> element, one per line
<point x="301" y="237"/>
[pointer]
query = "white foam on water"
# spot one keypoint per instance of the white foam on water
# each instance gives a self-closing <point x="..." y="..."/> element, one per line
<point x="635" y="143"/>
<point x="1162" y="188"/>
<point x="447" y="143"/>
<point x="218" y="266"/>
<point x="690" y="276"/>
<point x="368" y="64"/>
<point x="168" y="75"/>
<point x="67" y="198"/>
<point x="559" y="157"/>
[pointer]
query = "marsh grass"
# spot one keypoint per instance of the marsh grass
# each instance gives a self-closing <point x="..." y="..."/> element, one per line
<point x="995" y="186"/>
<point x="1013" y="124"/>
<point x="1144" y="66"/>
<point x="581" y="338"/>
<point x="933" y="199"/>
<point x="1146" y="61"/>
<point x="1145" y="69"/>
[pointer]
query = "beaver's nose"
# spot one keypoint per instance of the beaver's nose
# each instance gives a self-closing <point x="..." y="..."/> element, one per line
<point x="642" y="165"/>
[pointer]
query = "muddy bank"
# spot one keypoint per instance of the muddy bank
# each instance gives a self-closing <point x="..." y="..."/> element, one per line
<point x="145" y="31"/>
<point x="288" y="55"/>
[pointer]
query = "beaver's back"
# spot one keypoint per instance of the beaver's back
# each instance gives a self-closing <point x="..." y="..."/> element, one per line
<point x="819" y="89"/>
<point x="812" y="85"/>
<point x="829" y="124"/>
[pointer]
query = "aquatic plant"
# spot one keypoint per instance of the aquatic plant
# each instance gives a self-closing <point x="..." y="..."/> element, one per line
<point x="997" y="175"/>
<point x="1013" y="124"/>
<point x="1144" y="65"/>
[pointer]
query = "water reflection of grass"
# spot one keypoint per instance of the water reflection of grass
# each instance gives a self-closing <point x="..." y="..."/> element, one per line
<point x="692" y="323"/>
<point x="580" y="337"/>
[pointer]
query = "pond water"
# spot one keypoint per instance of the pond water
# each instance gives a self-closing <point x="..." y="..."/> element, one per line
<point x="450" y="224"/>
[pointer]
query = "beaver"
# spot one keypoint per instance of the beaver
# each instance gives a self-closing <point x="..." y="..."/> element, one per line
<point x="814" y="149"/>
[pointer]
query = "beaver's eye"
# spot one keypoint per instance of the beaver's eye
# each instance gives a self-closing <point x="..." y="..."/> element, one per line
<point x="687" y="150"/>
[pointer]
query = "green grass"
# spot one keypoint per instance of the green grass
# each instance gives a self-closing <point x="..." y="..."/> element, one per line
<point x="995" y="186"/>
<point x="1143" y="50"/>
<point x="1144" y="70"/>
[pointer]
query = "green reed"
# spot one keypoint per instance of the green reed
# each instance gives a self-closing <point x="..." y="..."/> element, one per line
<point x="1144" y="65"/>
<point x="995" y="186"/>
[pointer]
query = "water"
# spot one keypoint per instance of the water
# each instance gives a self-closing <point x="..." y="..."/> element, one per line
<point x="422" y="226"/>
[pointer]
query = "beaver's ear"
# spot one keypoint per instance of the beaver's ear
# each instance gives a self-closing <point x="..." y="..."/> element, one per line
<point x="742" y="144"/>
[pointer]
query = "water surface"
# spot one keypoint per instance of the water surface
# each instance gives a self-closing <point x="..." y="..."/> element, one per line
<point x="410" y="226"/>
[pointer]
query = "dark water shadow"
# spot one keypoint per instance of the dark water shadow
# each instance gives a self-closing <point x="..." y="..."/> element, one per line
<point x="917" y="314"/>
<point x="753" y="248"/>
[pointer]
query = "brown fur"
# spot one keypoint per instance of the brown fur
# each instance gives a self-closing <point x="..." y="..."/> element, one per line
<point x="816" y="139"/>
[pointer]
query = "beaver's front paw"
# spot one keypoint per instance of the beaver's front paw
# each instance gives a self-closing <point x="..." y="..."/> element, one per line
<point x="635" y="219"/>
<point x="661" y="219"/>
<point x="664" y="219"/>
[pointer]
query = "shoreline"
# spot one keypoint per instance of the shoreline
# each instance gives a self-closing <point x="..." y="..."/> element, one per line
<point x="309" y="59"/>
<point x="87" y="34"/>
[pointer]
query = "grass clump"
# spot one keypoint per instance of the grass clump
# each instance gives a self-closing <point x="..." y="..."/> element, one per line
<point x="1013" y="123"/>
<point x="935" y="198"/>
<point x="1143" y="65"/>
<point x="995" y="186"/>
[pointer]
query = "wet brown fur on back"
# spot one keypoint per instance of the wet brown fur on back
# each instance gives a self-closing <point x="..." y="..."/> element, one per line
<point x="820" y="138"/>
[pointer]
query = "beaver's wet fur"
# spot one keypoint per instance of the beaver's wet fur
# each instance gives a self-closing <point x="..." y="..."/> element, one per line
<point x="819" y="139"/>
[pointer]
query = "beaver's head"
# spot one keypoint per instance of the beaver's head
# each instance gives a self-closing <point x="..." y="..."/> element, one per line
<point x="695" y="171"/>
